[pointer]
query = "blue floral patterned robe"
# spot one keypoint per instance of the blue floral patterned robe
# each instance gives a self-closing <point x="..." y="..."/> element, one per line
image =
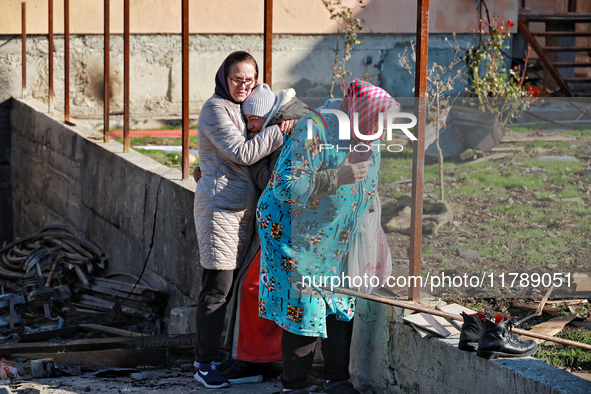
<point x="306" y="236"/>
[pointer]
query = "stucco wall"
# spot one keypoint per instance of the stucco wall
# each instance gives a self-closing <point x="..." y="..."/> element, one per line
<point x="136" y="209"/>
<point x="303" y="62"/>
<point x="246" y="16"/>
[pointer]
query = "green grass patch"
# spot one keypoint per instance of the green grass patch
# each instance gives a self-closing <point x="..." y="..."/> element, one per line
<point x="494" y="251"/>
<point x="427" y="250"/>
<point x="568" y="356"/>
<point x="168" y="127"/>
<point x="569" y="191"/>
<point x="579" y="133"/>
<point x="159" y="141"/>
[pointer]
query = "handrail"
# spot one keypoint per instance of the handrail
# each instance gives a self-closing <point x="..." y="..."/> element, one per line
<point x="547" y="63"/>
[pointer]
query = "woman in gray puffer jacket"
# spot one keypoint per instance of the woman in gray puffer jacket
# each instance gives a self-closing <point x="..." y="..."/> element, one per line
<point x="225" y="201"/>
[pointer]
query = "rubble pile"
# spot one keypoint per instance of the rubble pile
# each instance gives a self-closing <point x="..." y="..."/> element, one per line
<point x="50" y="278"/>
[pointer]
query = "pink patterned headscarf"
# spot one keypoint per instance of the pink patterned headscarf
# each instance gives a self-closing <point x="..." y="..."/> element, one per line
<point x="368" y="101"/>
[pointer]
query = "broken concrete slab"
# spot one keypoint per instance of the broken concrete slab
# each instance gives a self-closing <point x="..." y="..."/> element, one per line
<point x="467" y="128"/>
<point x="468" y="254"/>
<point x="396" y="216"/>
<point x="578" y="200"/>
<point x="557" y="158"/>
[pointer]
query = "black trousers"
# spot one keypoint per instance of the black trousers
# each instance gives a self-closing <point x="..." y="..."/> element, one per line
<point x="298" y="354"/>
<point x="211" y="311"/>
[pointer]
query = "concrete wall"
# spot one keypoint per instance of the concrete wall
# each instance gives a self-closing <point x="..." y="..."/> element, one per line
<point x="302" y="62"/>
<point x="247" y="16"/>
<point x="391" y="357"/>
<point x="140" y="213"/>
<point x="136" y="209"/>
<point x="5" y="190"/>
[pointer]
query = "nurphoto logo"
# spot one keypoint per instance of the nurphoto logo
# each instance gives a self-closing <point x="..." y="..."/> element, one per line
<point x="345" y="130"/>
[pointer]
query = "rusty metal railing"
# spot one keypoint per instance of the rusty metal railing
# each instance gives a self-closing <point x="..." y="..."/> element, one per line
<point x="420" y="93"/>
<point x="67" y="61"/>
<point x="185" y="45"/>
<point x="50" y="54"/>
<point x="268" y="45"/>
<point x="126" y="76"/>
<point x="418" y="169"/>
<point x="106" y="82"/>
<point x="24" y="45"/>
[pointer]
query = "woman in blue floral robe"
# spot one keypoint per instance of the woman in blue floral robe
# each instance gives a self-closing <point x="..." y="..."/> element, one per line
<point x="307" y="216"/>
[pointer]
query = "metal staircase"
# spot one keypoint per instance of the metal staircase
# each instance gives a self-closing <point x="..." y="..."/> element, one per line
<point x="559" y="53"/>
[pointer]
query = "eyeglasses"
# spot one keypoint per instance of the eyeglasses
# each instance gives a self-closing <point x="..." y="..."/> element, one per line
<point x="238" y="82"/>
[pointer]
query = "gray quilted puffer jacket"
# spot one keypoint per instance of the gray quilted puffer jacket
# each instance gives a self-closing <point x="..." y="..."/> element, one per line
<point x="226" y="195"/>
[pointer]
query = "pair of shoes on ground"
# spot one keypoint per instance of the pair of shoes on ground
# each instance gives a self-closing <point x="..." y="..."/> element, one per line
<point x="212" y="376"/>
<point x="340" y="387"/>
<point x="491" y="337"/>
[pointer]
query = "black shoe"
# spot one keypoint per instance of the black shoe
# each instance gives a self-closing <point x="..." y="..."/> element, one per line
<point x="471" y="332"/>
<point x="498" y="341"/>
<point x="341" y="387"/>
<point x="241" y="372"/>
<point x="226" y="363"/>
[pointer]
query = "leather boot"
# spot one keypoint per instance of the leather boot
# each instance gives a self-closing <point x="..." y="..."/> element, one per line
<point x="471" y="331"/>
<point x="498" y="341"/>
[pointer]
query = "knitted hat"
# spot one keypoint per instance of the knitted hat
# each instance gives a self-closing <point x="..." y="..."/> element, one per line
<point x="260" y="102"/>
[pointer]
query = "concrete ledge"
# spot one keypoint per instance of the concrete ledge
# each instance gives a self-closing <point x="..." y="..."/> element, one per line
<point x="139" y="211"/>
<point x="389" y="356"/>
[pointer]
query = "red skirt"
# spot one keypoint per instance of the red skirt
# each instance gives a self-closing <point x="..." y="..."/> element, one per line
<point x="259" y="339"/>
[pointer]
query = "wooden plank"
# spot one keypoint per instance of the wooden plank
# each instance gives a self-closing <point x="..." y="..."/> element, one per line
<point x="7" y="350"/>
<point x="120" y="294"/>
<point x="156" y="341"/>
<point x="49" y="334"/>
<point x="550" y="327"/>
<point x="547" y="309"/>
<point x="456" y="310"/>
<point x="582" y="323"/>
<point x="127" y="287"/>
<point x="567" y="302"/>
<point x="489" y="158"/>
<point x="547" y="138"/>
<point x="98" y="359"/>
<point x="111" y="330"/>
<point x="512" y="149"/>
<point x="434" y="324"/>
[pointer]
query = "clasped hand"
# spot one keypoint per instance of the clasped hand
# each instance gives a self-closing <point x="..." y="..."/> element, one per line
<point x="348" y="173"/>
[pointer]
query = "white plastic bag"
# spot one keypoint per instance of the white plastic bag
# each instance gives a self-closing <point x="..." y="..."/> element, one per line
<point x="370" y="260"/>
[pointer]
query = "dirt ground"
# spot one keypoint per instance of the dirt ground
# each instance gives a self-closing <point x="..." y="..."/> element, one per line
<point x="163" y="381"/>
<point x="512" y="228"/>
